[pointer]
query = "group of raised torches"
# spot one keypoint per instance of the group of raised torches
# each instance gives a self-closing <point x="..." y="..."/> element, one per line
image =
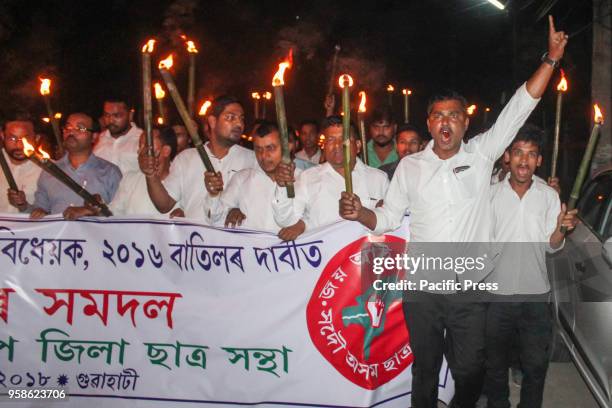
<point x="274" y="144"/>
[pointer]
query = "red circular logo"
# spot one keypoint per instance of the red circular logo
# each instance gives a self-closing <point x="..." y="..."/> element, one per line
<point x="359" y="330"/>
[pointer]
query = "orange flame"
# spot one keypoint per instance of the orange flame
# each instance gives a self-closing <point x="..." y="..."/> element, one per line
<point x="267" y="95"/>
<point x="278" y="78"/>
<point x="149" y="46"/>
<point x="58" y="115"/>
<point x="159" y="92"/>
<point x="45" y="86"/>
<point x="191" y="48"/>
<point x="562" y="86"/>
<point x="598" y="118"/>
<point x="471" y="109"/>
<point x="160" y="120"/>
<point x="406" y="91"/>
<point x="487" y="109"/>
<point x="362" y="104"/>
<point x="45" y="119"/>
<point x="390" y="88"/>
<point x="166" y="63"/>
<point x="345" y="78"/>
<point x="28" y="149"/>
<point x="204" y="108"/>
<point x="255" y="95"/>
<point x="44" y="154"/>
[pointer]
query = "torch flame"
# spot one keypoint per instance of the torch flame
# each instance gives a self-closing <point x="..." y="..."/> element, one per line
<point x="471" y="109"/>
<point x="267" y="95"/>
<point x="390" y="88"/>
<point x="166" y="63"/>
<point x="44" y="154"/>
<point x="204" y="108"/>
<point x="191" y="48"/>
<point x="160" y="120"/>
<point x="46" y="119"/>
<point x="58" y="115"/>
<point x="598" y="118"/>
<point x="28" y="149"/>
<point x="406" y="91"/>
<point x="487" y="109"/>
<point x="562" y="87"/>
<point x="159" y="92"/>
<point x="255" y="95"/>
<point x="362" y="104"/>
<point x="45" y="86"/>
<point x="344" y="79"/>
<point x="149" y="46"/>
<point x="278" y="77"/>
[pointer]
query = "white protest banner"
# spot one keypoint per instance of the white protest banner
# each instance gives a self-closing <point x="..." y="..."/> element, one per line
<point x="154" y="313"/>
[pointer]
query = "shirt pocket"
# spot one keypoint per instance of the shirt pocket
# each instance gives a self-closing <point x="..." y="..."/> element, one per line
<point x="467" y="183"/>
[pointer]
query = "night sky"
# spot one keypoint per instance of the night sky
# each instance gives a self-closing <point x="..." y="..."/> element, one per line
<point x="92" y="50"/>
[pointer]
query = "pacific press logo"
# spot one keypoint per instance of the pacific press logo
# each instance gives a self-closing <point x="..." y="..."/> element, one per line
<point x="359" y="330"/>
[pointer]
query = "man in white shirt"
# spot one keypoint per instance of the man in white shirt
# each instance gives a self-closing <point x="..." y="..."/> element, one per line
<point x="24" y="171"/>
<point x="245" y="201"/>
<point x="132" y="197"/>
<point x="309" y="139"/>
<point x="446" y="188"/>
<point x="118" y="144"/>
<point x="318" y="189"/>
<point x="527" y="219"/>
<point x="185" y="183"/>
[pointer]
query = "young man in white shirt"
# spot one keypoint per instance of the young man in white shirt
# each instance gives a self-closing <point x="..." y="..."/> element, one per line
<point x="185" y="183"/>
<point x="309" y="139"/>
<point x="527" y="219"/>
<point x="318" y="189"/>
<point x="245" y="201"/>
<point x="446" y="188"/>
<point x="24" y="171"/>
<point x="118" y="144"/>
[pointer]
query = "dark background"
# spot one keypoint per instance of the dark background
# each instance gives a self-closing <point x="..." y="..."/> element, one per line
<point x="91" y="49"/>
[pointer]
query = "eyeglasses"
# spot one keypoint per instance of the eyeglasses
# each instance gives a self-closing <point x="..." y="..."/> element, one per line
<point x="230" y="117"/>
<point x="13" y="139"/>
<point x="78" y="128"/>
<point x="452" y="116"/>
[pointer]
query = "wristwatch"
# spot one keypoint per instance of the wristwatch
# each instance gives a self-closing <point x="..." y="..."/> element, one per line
<point x="549" y="61"/>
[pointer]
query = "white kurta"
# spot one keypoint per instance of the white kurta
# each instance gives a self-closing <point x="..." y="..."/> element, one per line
<point x="121" y="151"/>
<point x="185" y="183"/>
<point x="317" y="194"/>
<point x="132" y="197"/>
<point x="25" y="175"/>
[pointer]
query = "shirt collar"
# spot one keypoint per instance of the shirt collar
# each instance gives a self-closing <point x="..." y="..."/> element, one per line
<point x="90" y="162"/>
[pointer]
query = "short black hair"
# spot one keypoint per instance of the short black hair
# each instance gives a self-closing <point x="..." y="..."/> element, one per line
<point x="406" y="127"/>
<point x="265" y="128"/>
<point x="530" y="133"/>
<point x="446" y="95"/>
<point x="167" y="135"/>
<point x="221" y="102"/>
<point x="119" y="99"/>
<point x="382" y="114"/>
<point x="309" y="122"/>
<point x="336" y="120"/>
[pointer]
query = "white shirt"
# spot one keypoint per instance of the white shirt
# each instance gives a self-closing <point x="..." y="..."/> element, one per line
<point x="524" y="226"/>
<point x="132" y="197"/>
<point x="317" y="193"/>
<point x="121" y="151"/>
<point x="314" y="159"/>
<point x="250" y="190"/>
<point x="25" y="175"/>
<point x="185" y="183"/>
<point x="449" y="199"/>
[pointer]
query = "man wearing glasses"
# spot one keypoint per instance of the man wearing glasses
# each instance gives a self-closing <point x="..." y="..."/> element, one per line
<point x="185" y="183"/>
<point x="96" y="175"/>
<point x="446" y="187"/>
<point x="24" y="171"/>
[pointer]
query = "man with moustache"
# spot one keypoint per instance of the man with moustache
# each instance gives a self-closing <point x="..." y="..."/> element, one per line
<point x="187" y="172"/>
<point x="407" y="141"/>
<point x="446" y="188"/>
<point x="118" y="144"/>
<point x="381" y="147"/>
<point x="318" y="189"/>
<point x="24" y="171"/>
<point x="245" y="202"/>
<point x="96" y="175"/>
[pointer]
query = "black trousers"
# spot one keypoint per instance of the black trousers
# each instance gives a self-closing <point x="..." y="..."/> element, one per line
<point x="445" y="324"/>
<point x="533" y="321"/>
